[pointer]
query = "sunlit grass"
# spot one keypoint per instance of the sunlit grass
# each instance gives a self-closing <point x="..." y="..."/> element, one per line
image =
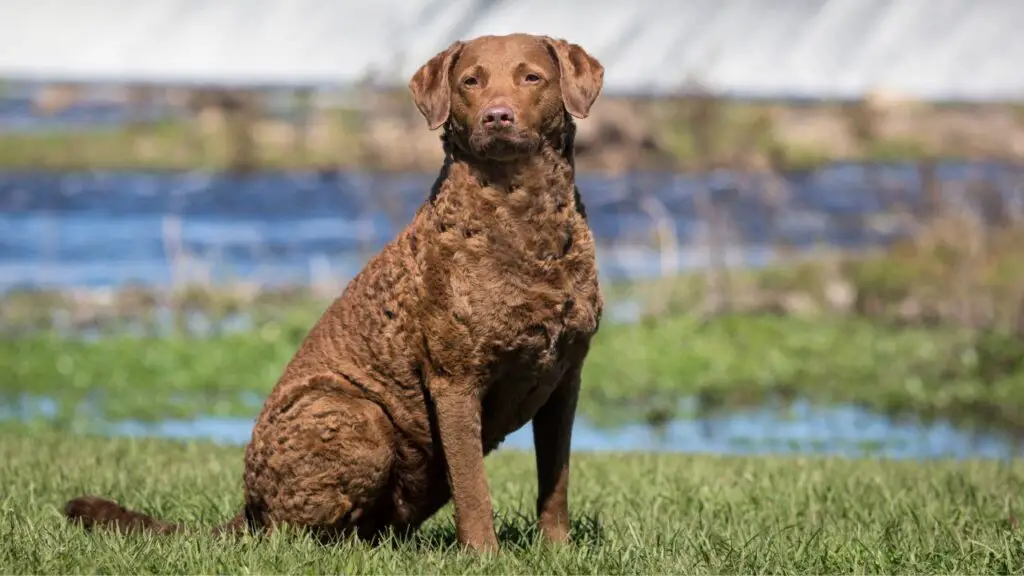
<point x="631" y="513"/>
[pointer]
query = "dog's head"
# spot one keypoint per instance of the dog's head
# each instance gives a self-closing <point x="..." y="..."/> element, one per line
<point x="502" y="96"/>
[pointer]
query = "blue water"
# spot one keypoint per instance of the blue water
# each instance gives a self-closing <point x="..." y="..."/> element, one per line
<point x="802" y="428"/>
<point x="845" y="431"/>
<point x="107" y="229"/>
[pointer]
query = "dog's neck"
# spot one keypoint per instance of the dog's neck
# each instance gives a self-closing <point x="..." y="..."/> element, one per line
<point x="551" y="171"/>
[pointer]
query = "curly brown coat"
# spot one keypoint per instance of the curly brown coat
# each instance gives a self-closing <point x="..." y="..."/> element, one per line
<point x="475" y="320"/>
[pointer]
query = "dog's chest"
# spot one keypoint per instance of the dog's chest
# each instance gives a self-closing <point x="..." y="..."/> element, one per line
<point x="533" y="296"/>
<point x="530" y="362"/>
<point x="531" y="336"/>
<point x="519" y="279"/>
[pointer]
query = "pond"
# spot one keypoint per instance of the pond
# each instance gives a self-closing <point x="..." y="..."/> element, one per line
<point x="110" y="228"/>
<point x="799" y="428"/>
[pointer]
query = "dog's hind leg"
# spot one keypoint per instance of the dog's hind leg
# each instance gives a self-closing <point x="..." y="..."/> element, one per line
<point x="325" y="464"/>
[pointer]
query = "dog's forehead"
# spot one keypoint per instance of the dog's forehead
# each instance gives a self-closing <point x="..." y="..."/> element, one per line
<point x="506" y="51"/>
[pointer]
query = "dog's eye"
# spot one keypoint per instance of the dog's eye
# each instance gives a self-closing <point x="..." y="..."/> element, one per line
<point x="532" y="79"/>
<point x="471" y="81"/>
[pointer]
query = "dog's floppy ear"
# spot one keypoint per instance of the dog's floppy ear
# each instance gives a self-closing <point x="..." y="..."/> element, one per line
<point x="582" y="76"/>
<point x="430" y="89"/>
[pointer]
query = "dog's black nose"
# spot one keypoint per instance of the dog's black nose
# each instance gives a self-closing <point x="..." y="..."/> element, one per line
<point x="498" y="117"/>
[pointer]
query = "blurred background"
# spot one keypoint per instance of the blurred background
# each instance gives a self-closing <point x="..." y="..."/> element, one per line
<point x="809" y="212"/>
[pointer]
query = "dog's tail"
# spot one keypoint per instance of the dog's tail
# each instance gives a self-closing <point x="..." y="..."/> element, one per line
<point x="95" y="512"/>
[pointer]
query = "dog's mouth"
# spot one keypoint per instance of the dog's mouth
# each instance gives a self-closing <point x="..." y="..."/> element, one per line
<point x="503" y="145"/>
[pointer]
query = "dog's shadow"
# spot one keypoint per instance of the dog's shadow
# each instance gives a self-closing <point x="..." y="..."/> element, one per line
<point x="514" y="532"/>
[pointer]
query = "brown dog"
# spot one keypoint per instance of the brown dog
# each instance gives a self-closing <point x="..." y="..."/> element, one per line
<point x="476" y="319"/>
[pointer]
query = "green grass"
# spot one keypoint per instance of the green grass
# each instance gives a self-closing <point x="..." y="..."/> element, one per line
<point x="635" y="371"/>
<point x="746" y="359"/>
<point x="631" y="513"/>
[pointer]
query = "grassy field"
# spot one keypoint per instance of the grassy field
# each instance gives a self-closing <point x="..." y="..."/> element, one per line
<point x="632" y="513"/>
<point x="635" y="371"/>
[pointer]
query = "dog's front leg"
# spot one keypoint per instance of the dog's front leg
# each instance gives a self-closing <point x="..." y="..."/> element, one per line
<point x="458" y="421"/>
<point x="552" y="436"/>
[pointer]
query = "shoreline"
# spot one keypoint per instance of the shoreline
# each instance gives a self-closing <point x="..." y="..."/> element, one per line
<point x="638" y="373"/>
<point x="934" y="276"/>
<point x="685" y="134"/>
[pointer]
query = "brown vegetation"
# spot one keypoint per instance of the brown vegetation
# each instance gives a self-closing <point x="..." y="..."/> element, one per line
<point x="375" y="128"/>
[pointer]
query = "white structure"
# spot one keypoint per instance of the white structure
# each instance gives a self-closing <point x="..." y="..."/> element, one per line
<point x="960" y="50"/>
